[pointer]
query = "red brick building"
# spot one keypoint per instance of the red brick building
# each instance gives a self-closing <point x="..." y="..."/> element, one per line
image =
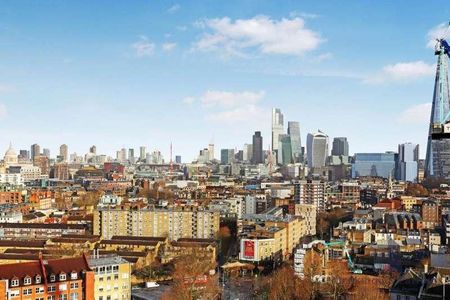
<point x="68" y="278"/>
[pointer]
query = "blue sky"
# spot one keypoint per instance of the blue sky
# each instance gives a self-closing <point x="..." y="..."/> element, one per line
<point x="124" y="74"/>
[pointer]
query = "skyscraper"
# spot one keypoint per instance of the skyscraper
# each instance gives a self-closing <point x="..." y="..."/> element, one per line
<point x="408" y="162"/>
<point x="93" y="149"/>
<point x="211" y="151"/>
<point x="437" y="162"/>
<point x="296" y="142"/>
<point x="64" y="152"/>
<point x="226" y="156"/>
<point x="317" y="149"/>
<point x="285" y="149"/>
<point x="46" y="152"/>
<point x="247" y="152"/>
<point x="373" y="164"/>
<point x="35" y="151"/>
<point x="257" y="148"/>
<point x="277" y="128"/>
<point x="340" y="146"/>
<point x="131" y="155"/>
<point x="142" y="153"/>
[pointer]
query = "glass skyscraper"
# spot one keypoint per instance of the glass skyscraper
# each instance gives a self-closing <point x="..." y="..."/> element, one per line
<point x="277" y="128"/>
<point x="296" y="143"/>
<point x="285" y="150"/>
<point x="257" y="148"/>
<point x="437" y="162"/>
<point x="340" y="146"/>
<point x="408" y="162"/>
<point x="317" y="149"/>
<point x="373" y="164"/>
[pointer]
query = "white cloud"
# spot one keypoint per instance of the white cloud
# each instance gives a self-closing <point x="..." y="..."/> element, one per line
<point x="417" y="114"/>
<point x="268" y="36"/>
<point x="230" y="107"/>
<point x="181" y="28"/>
<point x="229" y="99"/>
<point x="174" y="8"/>
<point x="403" y="72"/>
<point x="168" y="46"/>
<point x="438" y="32"/>
<point x="143" y="47"/>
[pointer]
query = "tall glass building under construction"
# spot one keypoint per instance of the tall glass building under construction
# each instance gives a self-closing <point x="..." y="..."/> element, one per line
<point x="437" y="163"/>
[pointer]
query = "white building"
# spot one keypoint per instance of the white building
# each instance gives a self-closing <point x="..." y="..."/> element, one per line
<point x="14" y="179"/>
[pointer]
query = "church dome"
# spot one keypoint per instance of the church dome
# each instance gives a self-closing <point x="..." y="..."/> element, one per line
<point x="10" y="156"/>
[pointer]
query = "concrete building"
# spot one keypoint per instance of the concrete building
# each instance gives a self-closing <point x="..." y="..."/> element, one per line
<point x="175" y="223"/>
<point x="309" y="213"/>
<point x="64" y="153"/>
<point x="35" y="151"/>
<point x="112" y="277"/>
<point x="310" y="192"/>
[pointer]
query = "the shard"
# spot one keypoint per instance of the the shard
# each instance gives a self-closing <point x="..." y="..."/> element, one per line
<point x="437" y="163"/>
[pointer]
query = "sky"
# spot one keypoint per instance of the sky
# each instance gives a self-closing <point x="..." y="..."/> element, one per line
<point x="147" y="73"/>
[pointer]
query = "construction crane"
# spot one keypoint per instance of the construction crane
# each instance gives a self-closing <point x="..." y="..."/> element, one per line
<point x="351" y="264"/>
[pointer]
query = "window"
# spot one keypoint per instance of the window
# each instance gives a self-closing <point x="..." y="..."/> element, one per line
<point x="74" y="296"/>
<point x="51" y="289"/>
<point x="52" y="278"/>
<point x="27" y="280"/>
<point x="73" y="275"/>
<point x="74" y="285"/>
<point x="116" y="277"/>
<point x="38" y="279"/>
<point x="15" y="293"/>
<point x="27" y="292"/>
<point x="15" y="282"/>
<point x="39" y="290"/>
<point x="62" y="297"/>
<point x="51" y="298"/>
<point x="62" y="276"/>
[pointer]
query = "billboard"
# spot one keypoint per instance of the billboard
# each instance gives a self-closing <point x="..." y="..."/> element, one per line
<point x="249" y="249"/>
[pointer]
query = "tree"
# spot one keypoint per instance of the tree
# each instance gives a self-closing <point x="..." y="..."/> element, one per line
<point x="416" y="190"/>
<point x="340" y="280"/>
<point x="192" y="280"/>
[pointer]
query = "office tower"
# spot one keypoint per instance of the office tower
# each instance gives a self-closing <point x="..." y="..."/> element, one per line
<point x="35" y="151"/>
<point x="24" y="155"/>
<point x="226" y="156"/>
<point x="437" y="163"/>
<point x="247" y="152"/>
<point x="340" y="146"/>
<point x="46" y="152"/>
<point x="64" y="152"/>
<point x="285" y="149"/>
<point x="93" y="149"/>
<point x="156" y="158"/>
<point x="373" y="164"/>
<point x="203" y="156"/>
<point x="211" y="151"/>
<point x="408" y="162"/>
<point x="42" y="162"/>
<point x="131" y="155"/>
<point x="177" y="159"/>
<point x="317" y="149"/>
<point x="121" y="155"/>
<point x="257" y="148"/>
<point x="142" y="153"/>
<point x="296" y="142"/>
<point x="277" y="128"/>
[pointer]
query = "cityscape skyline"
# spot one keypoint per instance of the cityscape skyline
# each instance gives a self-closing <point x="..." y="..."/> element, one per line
<point x="160" y="49"/>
